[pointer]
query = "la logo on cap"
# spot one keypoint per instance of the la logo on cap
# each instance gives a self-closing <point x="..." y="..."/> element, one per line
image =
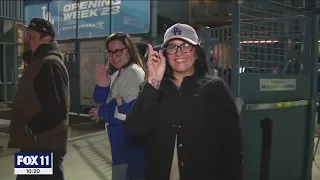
<point x="177" y="31"/>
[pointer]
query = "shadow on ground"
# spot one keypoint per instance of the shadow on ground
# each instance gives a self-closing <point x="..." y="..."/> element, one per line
<point x="85" y="128"/>
<point x="79" y="125"/>
<point x="73" y="119"/>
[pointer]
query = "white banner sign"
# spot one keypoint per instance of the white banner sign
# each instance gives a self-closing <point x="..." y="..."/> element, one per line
<point x="91" y="53"/>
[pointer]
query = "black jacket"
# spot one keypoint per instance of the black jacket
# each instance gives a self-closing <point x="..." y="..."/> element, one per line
<point x="205" y="119"/>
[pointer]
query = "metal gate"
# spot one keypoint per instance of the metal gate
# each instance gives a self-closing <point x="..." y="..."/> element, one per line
<point x="8" y="72"/>
<point x="8" y="61"/>
<point x="267" y="57"/>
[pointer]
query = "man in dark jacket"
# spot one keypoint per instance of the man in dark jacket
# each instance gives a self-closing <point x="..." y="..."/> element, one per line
<point x="40" y="111"/>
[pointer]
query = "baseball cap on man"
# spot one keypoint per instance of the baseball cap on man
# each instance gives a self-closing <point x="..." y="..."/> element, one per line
<point x="42" y="26"/>
<point x="181" y="31"/>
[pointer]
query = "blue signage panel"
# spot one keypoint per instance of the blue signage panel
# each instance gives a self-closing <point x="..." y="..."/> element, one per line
<point x="93" y="17"/>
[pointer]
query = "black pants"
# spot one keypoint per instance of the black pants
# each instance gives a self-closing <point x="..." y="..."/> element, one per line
<point x="57" y="171"/>
<point x="318" y="111"/>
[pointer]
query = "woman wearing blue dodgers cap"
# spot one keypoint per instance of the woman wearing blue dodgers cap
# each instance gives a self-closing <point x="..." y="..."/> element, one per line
<point x="188" y="117"/>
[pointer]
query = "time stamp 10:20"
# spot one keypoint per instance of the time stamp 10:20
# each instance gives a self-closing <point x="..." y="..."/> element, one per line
<point x="33" y="163"/>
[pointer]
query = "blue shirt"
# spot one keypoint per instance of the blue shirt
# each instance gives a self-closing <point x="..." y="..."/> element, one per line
<point x="125" y="149"/>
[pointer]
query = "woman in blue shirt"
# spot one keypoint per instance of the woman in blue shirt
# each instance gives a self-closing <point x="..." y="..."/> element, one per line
<point x="116" y="90"/>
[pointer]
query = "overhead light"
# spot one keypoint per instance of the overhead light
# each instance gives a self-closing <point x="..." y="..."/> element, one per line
<point x="259" y="42"/>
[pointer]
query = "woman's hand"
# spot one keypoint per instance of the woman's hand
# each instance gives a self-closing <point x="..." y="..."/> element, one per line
<point x="156" y="66"/>
<point x="102" y="77"/>
<point x="119" y="100"/>
<point x="94" y="115"/>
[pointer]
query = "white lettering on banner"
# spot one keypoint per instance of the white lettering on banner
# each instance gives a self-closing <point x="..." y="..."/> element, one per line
<point x="46" y="14"/>
<point x="90" y="9"/>
<point x="86" y="9"/>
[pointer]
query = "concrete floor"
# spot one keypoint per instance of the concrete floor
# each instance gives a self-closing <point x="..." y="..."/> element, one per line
<point x="89" y="158"/>
<point x="316" y="167"/>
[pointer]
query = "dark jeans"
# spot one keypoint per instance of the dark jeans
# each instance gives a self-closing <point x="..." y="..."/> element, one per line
<point x="57" y="171"/>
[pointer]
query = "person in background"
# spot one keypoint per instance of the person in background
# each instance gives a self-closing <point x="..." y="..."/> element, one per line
<point x="214" y="65"/>
<point x="40" y="111"/>
<point x="318" y="104"/>
<point x="188" y="117"/>
<point x="26" y="57"/>
<point x="117" y="87"/>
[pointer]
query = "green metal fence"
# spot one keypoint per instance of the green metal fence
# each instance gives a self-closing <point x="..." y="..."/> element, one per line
<point x="268" y="58"/>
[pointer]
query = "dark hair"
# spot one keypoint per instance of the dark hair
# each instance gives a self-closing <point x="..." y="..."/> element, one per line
<point x="132" y="49"/>
<point x="200" y="65"/>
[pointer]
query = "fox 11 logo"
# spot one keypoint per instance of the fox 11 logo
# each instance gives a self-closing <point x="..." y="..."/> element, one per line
<point x="33" y="163"/>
